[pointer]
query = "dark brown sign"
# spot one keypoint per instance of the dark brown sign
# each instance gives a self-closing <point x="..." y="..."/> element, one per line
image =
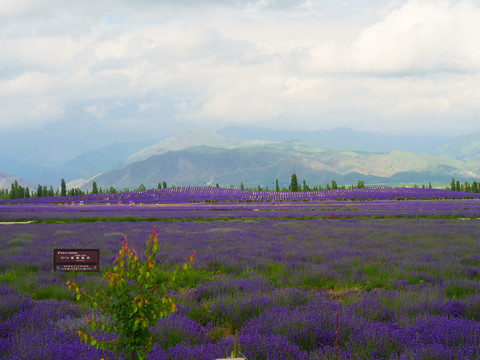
<point x="76" y="260"/>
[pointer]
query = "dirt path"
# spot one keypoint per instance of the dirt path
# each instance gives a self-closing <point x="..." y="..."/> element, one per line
<point x="15" y="222"/>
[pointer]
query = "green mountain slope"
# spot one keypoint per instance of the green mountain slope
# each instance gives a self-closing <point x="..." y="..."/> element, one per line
<point x="262" y="164"/>
<point x="466" y="147"/>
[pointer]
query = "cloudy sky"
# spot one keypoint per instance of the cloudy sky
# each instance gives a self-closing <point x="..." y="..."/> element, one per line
<point x="80" y="74"/>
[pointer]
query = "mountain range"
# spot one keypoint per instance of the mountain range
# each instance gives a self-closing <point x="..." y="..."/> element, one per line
<point x="257" y="156"/>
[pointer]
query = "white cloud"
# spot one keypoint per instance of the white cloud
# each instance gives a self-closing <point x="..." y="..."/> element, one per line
<point x="310" y="64"/>
<point x="422" y="36"/>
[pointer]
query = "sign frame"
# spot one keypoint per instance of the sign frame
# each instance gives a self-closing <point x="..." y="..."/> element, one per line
<point x="81" y="260"/>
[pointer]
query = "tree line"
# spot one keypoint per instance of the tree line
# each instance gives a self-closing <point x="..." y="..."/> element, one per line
<point x="19" y="192"/>
<point x="455" y="185"/>
<point x="296" y="186"/>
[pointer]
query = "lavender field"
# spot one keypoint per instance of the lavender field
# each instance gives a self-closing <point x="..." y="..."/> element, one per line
<point x="403" y="277"/>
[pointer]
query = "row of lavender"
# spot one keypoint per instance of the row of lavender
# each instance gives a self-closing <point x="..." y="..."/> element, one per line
<point x="402" y="288"/>
<point x="228" y="210"/>
<point x="202" y="194"/>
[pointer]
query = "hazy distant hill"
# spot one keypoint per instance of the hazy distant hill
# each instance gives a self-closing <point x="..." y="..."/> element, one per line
<point x="466" y="147"/>
<point x="183" y="140"/>
<point x="234" y="151"/>
<point x="104" y="159"/>
<point x="7" y="179"/>
<point x="11" y="166"/>
<point x="262" y="164"/>
<point x="84" y="165"/>
<point x="343" y="139"/>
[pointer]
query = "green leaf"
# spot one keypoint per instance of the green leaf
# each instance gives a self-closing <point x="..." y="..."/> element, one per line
<point x="94" y="341"/>
<point x="78" y="297"/>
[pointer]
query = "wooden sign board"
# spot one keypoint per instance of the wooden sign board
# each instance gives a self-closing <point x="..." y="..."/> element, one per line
<point x="76" y="260"/>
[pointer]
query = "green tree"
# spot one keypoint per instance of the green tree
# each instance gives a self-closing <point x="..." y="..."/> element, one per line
<point x="334" y="185"/>
<point x="13" y="190"/>
<point x="159" y="186"/>
<point x="457" y="186"/>
<point x="164" y="184"/>
<point x="39" y="191"/>
<point x="474" y="187"/>
<point x="94" y="188"/>
<point x="452" y="185"/>
<point x="242" y="187"/>
<point x="142" y="187"/>
<point x="135" y="298"/>
<point x="216" y="185"/>
<point x="277" y="187"/>
<point x="63" y="186"/>
<point x="305" y="186"/>
<point x="293" y="182"/>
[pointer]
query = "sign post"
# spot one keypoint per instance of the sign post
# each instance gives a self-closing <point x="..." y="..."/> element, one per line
<point x="76" y="260"/>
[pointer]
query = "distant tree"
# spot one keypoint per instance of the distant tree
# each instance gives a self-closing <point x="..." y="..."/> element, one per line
<point x="334" y="185"/>
<point x="13" y="190"/>
<point x="452" y="185"/>
<point x="242" y="187"/>
<point x="216" y="185"/>
<point x="63" y="188"/>
<point x="164" y="184"/>
<point x="39" y="191"/>
<point x="159" y="186"/>
<point x="231" y="186"/>
<point x="293" y="182"/>
<point x="429" y="185"/>
<point x="142" y="187"/>
<point x="457" y="186"/>
<point x="305" y="186"/>
<point x="94" y="188"/>
<point x="277" y="188"/>
<point x="259" y="188"/>
<point x="327" y="187"/>
<point x="27" y="192"/>
<point x="112" y="190"/>
<point x="474" y="187"/>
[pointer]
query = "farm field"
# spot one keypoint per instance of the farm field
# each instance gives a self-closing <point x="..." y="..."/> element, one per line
<point x="403" y="277"/>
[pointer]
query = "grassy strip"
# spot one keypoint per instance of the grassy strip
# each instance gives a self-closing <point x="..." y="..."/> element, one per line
<point x="155" y="219"/>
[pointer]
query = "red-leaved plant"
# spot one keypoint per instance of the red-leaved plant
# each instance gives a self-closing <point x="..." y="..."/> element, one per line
<point x="137" y="301"/>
